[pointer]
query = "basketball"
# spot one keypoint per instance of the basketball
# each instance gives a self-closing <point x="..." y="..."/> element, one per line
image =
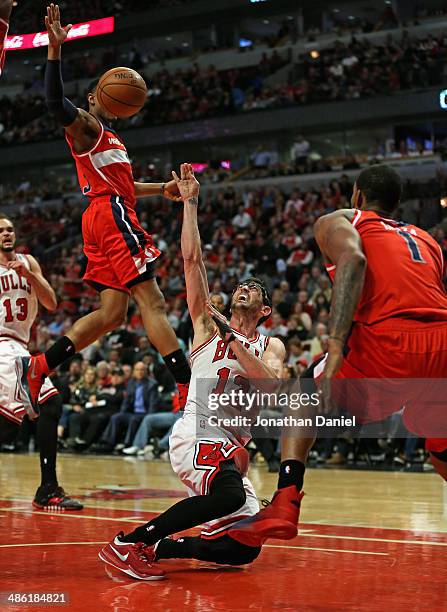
<point x="122" y="92"/>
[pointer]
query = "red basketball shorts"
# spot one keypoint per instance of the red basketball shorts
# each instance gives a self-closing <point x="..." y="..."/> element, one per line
<point x="118" y="249"/>
<point x="394" y="365"/>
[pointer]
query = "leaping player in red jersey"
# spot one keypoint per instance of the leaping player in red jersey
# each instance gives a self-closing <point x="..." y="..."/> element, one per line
<point x="388" y="323"/>
<point x="121" y="254"/>
<point x="5" y="13"/>
<point x="22" y="288"/>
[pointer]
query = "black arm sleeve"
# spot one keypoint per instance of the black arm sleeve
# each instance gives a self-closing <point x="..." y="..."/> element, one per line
<point x="64" y="110"/>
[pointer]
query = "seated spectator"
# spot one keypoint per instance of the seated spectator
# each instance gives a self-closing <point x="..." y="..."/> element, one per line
<point x="242" y="220"/>
<point x="83" y="398"/>
<point x="103" y="374"/>
<point x="315" y="344"/>
<point x="141" y="399"/>
<point x="88" y="424"/>
<point x="297" y="352"/>
<point x="155" y="422"/>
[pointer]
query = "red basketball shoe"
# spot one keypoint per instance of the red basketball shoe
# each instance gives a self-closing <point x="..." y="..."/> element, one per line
<point x="136" y="560"/>
<point x="279" y="519"/>
<point x="53" y="498"/>
<point x="33" y="370"/>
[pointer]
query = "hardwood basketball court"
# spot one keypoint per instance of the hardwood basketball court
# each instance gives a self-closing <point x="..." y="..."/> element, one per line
<point x="368" y="541"/>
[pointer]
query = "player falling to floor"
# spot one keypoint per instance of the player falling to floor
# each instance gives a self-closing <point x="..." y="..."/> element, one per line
<point x="210" y="461"/>
<point x="388" y="322"/>
<point x="22" y="288"/>
<point x="5" y="13"/>
<point x="121" y="254"/>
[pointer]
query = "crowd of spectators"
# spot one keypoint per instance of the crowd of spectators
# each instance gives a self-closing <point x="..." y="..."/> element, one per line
<point x="118" y="395"/>
<point x="354" y="70"/>
<point x="361" y="68"/>
<point x="187" y="94"/>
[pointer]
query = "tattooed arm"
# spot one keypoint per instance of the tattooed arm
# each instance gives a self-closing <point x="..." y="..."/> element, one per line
<point x="341" y="245"/>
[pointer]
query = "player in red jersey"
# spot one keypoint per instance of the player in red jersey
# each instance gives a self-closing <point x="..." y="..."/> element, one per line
<point x="5" y="13"/>
<point x="121" y="254"/>
<point x="388" y="325"/>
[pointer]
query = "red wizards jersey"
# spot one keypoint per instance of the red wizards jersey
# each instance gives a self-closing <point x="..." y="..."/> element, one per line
<point x="105" y="170"/>
<point x="404" y="272"/>
<point x="3" y="32"/>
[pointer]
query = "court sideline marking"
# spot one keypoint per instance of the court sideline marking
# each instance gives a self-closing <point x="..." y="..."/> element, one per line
<point x="337" y="550"/>
<point x="313" y="535"/>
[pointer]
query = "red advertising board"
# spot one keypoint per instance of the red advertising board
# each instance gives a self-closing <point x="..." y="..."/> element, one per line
<point x="79" y="30"/>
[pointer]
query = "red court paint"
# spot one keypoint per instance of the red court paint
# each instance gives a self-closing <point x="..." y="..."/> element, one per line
<point x="326" y="568"/>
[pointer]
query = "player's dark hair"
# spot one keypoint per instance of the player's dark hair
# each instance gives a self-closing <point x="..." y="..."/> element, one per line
<point x="381" y="184"/>
<point x="265" y="296"/>
<point x="92" y="86"/>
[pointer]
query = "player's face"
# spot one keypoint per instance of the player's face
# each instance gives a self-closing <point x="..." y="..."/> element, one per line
<point x="247" y="297"/>
<point x="7" y="236"/>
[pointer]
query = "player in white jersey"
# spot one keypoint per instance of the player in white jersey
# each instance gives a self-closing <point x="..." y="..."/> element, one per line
<point x="22" y="287"/>
<point x="209" y="457"/>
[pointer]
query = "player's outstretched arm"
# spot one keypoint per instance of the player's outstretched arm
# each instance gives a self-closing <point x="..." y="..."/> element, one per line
<point x="82" y="126"/>
<point x="197" y="291"/>
<point x="5" y="9"/>
<point x="340" y="244"/>
<point x="44" y="291"/>
<point x="168" y="190"/>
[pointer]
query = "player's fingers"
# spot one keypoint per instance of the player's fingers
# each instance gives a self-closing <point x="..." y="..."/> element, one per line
<point x="176" y="178"/>
<point x="68" y="27"/>
<point x="183" y="171"/>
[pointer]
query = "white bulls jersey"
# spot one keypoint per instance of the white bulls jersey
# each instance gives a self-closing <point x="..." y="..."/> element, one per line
<point x="197" y="447"/>
<point x="18" y="302"/>
<point x="215" y="370"/>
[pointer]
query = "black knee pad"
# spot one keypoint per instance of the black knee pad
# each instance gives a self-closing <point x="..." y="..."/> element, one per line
<point x="441" y="455"/>
<point x="227" y="488"/>
<point x="52" y="408"/>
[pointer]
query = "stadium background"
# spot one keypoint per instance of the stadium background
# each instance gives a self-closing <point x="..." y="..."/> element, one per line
<point x="278" y="108"/>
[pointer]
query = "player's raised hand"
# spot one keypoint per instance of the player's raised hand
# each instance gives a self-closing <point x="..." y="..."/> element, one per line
<point x="172" y="192"/>
<point x="223" y="325"/>
<point x="57" y="34"/>
<point x="19" y="267"/>
<point x="334" y="361"/>
<point x="188" y="185"/>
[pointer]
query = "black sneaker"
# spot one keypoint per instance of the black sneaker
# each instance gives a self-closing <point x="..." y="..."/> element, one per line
<point x="54" y="499"/>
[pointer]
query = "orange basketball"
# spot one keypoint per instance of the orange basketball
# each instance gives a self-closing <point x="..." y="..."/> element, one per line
<point x="121" y="92"/>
